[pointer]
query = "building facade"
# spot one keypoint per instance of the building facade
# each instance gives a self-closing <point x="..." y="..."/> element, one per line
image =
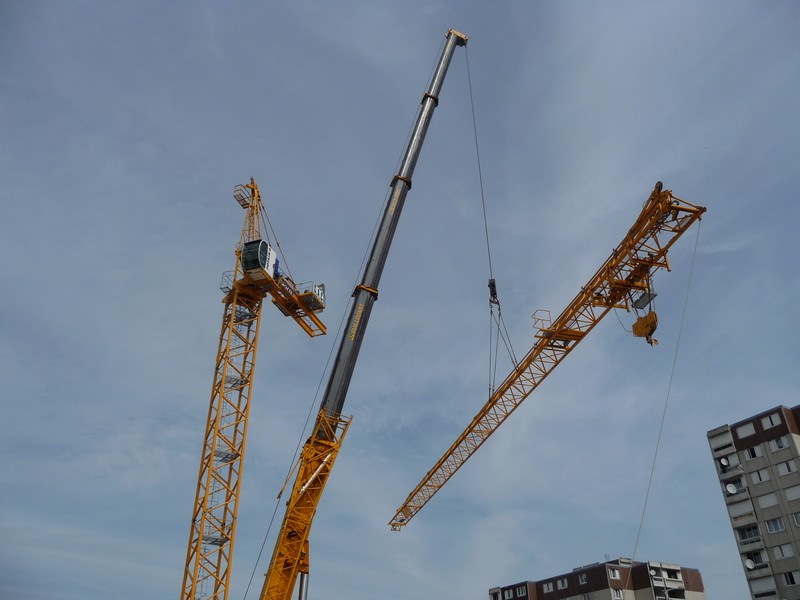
<point x="620" y="579"/>
<point x="757" y="462"/>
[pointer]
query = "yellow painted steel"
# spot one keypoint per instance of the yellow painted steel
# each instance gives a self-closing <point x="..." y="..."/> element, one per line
<point x="214" y="517"/>
<point x="617" y="284"/>
<point x="290" y="557"/>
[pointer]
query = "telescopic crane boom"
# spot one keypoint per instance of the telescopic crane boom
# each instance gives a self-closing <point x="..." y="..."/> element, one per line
<point x="622" y="282"/>
<point x="256" y="275"/>
<point x="290" y="557"/>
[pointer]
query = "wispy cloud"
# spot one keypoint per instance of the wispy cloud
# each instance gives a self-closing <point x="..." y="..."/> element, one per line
<point x="125" y="131"/>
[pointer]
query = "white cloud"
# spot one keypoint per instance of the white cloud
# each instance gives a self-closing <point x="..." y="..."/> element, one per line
<point x="125" y="131"/>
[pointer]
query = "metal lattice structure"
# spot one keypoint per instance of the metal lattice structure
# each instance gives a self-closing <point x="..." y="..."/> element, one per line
<point x="290" y="556"/>
<point x="214" y="517"/>
<point x="622" y="282"/>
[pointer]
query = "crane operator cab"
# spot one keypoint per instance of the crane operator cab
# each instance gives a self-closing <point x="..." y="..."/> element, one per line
<point x="259" y="260"/>
<point x="261" y="266"/>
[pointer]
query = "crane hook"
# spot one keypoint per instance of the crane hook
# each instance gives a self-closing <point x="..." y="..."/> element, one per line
<point x="493" y="293"/>
<point x="645" y="326"/>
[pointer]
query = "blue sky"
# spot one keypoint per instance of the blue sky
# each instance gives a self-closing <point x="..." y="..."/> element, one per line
<point x="125" y="128"/>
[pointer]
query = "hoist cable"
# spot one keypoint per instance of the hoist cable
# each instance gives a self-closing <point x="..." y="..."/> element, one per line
<point x="621" y="324"/>
<point x="478" y="157"/>
<point x="310" y="412"/>
<point x="500" y="323"/>
<point x="294" y="461"/>
<point x="491" y="354"/>
<point x="666" y="399"/>
<point x="260" y="551"/>
<point x="268" y="226"/>
<point x="502" y="333"/>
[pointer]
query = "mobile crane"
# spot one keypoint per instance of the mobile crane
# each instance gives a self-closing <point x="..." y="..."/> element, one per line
<point x="256" y="275"/>
<point x="290" y="556"/>
<point x="623" y="281"/>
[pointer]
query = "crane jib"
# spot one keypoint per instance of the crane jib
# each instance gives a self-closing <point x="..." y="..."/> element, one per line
<point x="625" y="273"/>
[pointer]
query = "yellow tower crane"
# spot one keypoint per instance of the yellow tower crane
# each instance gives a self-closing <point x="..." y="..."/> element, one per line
<point x="622" y="282"/>
<point x="256" y="275"/>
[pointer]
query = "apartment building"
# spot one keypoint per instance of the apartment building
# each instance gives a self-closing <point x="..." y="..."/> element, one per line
<point x="757" y="462"/>
<point x="619" y="579"/>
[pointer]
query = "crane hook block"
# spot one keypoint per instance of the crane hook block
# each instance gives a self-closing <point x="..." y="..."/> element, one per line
<point x="493" y="292"/>
<point x="645" y="326"/>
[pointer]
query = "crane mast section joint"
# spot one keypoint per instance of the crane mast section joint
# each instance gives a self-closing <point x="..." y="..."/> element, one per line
<point x="397" y="178"/>
<point x="350" y="344"/>
<point x="371" y="291"/>
<point x="663" y="219"/>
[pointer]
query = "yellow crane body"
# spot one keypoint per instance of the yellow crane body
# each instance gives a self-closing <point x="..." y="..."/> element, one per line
<point x="213" y="525"/>
<point x="290" y="557"/>
<point x="623" y="282"/>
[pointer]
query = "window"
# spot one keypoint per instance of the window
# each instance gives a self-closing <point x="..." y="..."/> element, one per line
<point x="754" y="452"/>
<point x="771" y="420"/>
<point x="582" y="579"/>
<point x="738" y="509"/>
<point x="792" y="577"/>
<point x="759" y="476"/>
<point x="562" y="583"/>
<point x="734" y="486"/>
<point x="728" y="461"/>
<point x="745" y="430"/>
<point x="508" y="594"/>
<point x="787" y="467"/>
<point x="613" y="573"/>
<point x="547" y="587"/>
<point x="783" y="551"/>
<point x="617" y="594"/>
<point x="796" y="518"/>
<point x="521" y="591"/>
<point x="721" y="441"/>
<point x="763" y="587"/>
<point x="777" y="444"/>
<point x="748" y="533"/>
<point x="768" y="500"/>
<point x="775" y="525"/>
<point x="758" y="559"/>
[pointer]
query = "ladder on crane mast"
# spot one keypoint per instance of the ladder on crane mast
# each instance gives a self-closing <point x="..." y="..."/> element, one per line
<point x="255" y="276"/>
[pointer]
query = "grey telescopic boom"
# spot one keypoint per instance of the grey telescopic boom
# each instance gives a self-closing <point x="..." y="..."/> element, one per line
<point x="366" y="292"/>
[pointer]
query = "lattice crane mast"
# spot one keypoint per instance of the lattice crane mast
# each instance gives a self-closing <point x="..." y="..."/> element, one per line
<point x="290" y="557"/>
<point x="256" y="275"/>
<point x="624" y="281"/>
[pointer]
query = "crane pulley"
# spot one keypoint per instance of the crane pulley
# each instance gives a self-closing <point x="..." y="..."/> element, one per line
<point x="622" y="282"/>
